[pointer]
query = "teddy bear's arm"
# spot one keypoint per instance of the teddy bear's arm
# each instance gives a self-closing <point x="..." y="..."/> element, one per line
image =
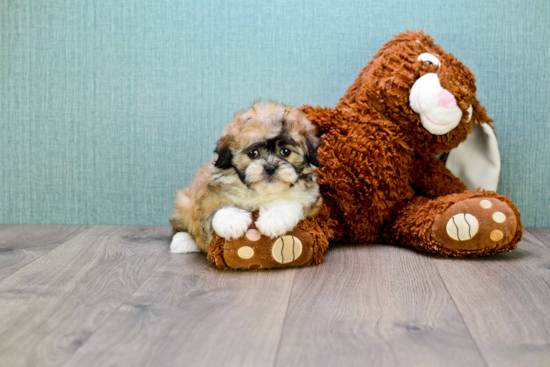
<point x="432" y="179"/>
<point x="365" y="169"/>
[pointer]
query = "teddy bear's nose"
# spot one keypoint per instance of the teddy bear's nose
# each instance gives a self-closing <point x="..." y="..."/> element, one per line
<point x="446" y="99"/>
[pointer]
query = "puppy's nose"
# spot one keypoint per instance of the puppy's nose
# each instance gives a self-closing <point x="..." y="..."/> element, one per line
<point x="270" y="169"/>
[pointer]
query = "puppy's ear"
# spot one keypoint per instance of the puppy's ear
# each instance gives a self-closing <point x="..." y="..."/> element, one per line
<point x="224" y="155"/>
<point x="312" y="156"/>
<point x="309" y="133"/>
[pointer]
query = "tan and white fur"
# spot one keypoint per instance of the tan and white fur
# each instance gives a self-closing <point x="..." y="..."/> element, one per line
<point x="265" y="161"/>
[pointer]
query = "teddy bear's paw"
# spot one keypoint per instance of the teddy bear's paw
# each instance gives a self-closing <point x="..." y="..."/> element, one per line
<point x="257" y="251"/>
<point x="475" y="224"/>
<point x="285" y="249"/>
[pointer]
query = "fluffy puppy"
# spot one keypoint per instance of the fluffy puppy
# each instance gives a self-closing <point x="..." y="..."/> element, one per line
<point x="265" y="161"/>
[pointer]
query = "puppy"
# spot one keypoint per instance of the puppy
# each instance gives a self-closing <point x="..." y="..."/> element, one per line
<point x="265" y="161"/>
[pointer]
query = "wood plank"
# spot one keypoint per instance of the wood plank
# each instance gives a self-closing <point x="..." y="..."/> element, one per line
<point x="22" y="244"/>
<point x="505" y="301"/>
<point x="190" y="314"/>
<point x="374" y="305"/>
<point x="542" y="234"/>
<point x="50" y="308"/>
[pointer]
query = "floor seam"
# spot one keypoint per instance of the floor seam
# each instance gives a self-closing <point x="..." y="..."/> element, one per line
<point x="461" y="316"/>
<point x="284" y="319"/>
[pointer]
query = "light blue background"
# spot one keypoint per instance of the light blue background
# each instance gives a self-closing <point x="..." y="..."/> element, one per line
<point x="107" y="107"/>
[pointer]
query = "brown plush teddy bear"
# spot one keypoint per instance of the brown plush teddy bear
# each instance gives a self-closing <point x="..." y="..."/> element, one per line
<point x="378" y="173"/>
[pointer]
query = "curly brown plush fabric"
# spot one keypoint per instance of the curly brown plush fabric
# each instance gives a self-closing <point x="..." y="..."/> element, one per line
<point x="378" y="174"/>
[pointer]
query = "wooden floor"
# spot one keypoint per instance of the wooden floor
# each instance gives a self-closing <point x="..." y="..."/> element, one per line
<point x="115" y="296"/>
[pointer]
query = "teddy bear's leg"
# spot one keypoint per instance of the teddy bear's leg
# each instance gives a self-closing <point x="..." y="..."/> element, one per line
<point x="256" y="251"/>
<point x="304" y="245"/>
<point x="467" y="224"/>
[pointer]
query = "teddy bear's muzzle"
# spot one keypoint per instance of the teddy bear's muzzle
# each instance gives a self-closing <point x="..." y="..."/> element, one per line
<point x="437" y="107"/>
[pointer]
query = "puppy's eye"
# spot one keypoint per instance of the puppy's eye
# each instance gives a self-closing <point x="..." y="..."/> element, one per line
<point x="253" y="154"/>
<point x="285" y="152"/>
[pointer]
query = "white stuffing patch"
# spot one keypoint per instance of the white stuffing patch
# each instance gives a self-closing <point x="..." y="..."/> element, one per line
<point x="470" y="110"/>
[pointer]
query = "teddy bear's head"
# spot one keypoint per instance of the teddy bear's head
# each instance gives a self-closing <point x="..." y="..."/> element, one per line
<point x="428" y="92"/>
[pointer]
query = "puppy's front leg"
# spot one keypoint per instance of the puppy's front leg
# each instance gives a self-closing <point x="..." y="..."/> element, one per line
<point x="279" y="217"/>
<point x="231" y="222"/>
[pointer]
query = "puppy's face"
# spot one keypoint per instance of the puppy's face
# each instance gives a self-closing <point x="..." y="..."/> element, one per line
<point x="270" y="165"/>
<point x="270" y="147"/>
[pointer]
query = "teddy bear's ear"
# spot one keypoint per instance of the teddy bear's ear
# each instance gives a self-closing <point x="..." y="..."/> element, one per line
<point x="223" y="161"/>
<point x="476" y="161"/>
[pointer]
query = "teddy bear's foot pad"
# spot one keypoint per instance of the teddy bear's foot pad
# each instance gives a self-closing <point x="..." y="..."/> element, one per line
<point x="475" y="224"/>
<point x="255" y="251"/>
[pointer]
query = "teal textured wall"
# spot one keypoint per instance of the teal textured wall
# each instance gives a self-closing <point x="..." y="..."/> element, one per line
<point x="107" y="107"/>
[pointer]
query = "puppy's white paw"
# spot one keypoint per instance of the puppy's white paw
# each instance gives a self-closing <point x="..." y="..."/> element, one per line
<point x="182" y="243"/>
<point x="279" y="218"/>
<point x="231" y="222"/>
